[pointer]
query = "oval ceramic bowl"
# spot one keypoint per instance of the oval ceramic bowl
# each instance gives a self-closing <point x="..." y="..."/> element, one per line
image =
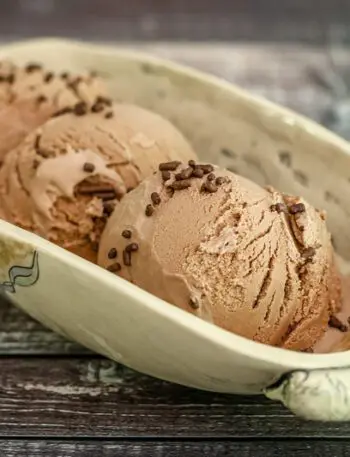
<point x="227" y="126"/>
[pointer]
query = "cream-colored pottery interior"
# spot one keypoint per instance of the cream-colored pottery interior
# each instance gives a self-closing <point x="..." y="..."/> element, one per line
<point x="229" y="127"/>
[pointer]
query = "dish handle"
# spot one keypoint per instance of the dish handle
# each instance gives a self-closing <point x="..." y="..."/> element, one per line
<point x="319" y="395"/>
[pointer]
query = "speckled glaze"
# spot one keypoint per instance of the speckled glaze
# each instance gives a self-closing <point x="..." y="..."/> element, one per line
<point x="233" y="129"/>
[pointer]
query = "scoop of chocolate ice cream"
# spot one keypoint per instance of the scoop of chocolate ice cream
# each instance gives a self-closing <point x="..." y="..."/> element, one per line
<point x="251" y="260"/>
<point x="64" y="180"/>
<point x="30" y="95"/>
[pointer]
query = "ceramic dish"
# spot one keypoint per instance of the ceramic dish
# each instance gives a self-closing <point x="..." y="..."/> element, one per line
<point x="234" y="129"/>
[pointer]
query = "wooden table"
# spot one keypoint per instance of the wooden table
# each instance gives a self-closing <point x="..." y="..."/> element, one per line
<point x="57" y="399"/>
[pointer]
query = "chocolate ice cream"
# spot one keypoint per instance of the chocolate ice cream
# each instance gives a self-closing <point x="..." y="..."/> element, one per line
<point x="251" y="260"/>
<point x="64" y="180"/>
<point x="337" y="336"/>
<point x="29" y="96"/>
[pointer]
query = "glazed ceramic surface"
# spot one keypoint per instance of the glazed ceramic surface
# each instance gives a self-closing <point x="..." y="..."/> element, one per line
<point x="229" y="127"/>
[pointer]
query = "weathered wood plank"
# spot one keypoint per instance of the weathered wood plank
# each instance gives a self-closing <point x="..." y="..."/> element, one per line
<point x="97" y="398"/>
<point x="298" y="448"/>
<point x="291" y="20"/>
<point x="19" y="334"/>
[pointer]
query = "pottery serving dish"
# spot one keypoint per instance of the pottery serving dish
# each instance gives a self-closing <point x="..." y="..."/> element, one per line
<point x="233" y="129"/>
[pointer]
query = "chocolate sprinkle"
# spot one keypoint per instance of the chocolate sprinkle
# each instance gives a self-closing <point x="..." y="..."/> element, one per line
<point x="75" y="83"/>
<point x="96" y="189"/>
<point x="194" y="303"/>
<point x="48" y="77"/>
<point x="279" y="208"/>
<point x="132" y="247"/>
<point x="32" y="67"/>
<point x="323" y="215"/>
<point x="211" y="177"/>
<point x="37" y="143"/>
<point x="80" y="109"/>
<point x="192" y="163"/>
<point x="297" y="208"/>
<point x="155" y="198"/>
<point x="89" y="167"/>
<point x="166" y="175"/>
<point x="169" y="166"/>
<point x="184" y="174"/>
<point x="126" y="234"/>
<point x="335" y="322"/>
<point x="41" y="99"/>
<point x="206" y="168"/>
<point x="109" y="115"/>
<point x="127" y="258"/>
<point x="104" y="100"/>
<point x="180" y="185"/>
<point x="64" y="75"/>
<point x="219" y="181"/>
<point x="115" y="267"/>
<point x="209" y="186"/>
<point x="62" y="111"/>
<point x="112" y="253"/>
<point x="108" y="207"/>
<point x="187" y="172"/>
<point x="97" y="107"/>
<point x="11" y="79"/>
<point x="149" y="210"/>
<point x="198" y="173"/>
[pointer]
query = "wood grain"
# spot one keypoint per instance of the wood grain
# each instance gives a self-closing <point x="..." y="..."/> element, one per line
<point x="97" y="398"/>
<point x="256" y="448"/>
<point x="19" y="334"/>
<point x="311" y="21"/>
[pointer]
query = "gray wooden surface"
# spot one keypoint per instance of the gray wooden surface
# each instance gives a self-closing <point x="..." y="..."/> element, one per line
<point x="304" y="21"/>
<point x="90" y="397"/>
<point x="170" y="448"/>
<point x="57" y="399"/>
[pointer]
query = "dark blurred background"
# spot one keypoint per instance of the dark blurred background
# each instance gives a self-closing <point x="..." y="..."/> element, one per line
<point x="303" y="21"/>
<point x="294" y="52"/>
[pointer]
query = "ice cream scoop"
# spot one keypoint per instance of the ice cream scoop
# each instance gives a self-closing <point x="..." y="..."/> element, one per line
<point x="64" y="180"/>
<point x="30" y="95"/>
<point x="250" y="260"/>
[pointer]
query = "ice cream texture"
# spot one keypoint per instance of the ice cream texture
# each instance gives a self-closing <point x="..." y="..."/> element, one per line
<point x="30" y="95"/>
<point x="250" y="260"/>
<point x="64" y="180"/>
